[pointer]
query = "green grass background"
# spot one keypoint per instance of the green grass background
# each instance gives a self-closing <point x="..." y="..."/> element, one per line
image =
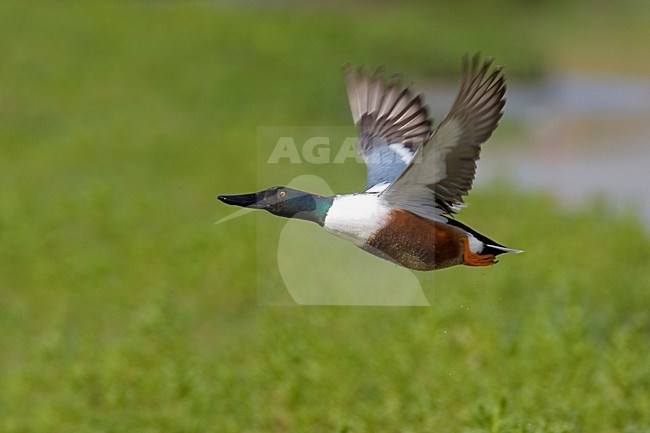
<point x="123" y="308"/>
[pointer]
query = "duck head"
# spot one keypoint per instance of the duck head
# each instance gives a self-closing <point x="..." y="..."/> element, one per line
<point x="284" y="202"/>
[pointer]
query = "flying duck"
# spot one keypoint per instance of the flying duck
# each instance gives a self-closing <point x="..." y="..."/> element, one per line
<point x="417" y="175"/>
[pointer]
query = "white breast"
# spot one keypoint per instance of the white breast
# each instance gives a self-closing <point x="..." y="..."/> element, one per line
<point x="356" y="217"/>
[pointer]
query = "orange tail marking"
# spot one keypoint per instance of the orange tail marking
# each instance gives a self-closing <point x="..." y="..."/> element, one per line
<point x="473" y="259"/>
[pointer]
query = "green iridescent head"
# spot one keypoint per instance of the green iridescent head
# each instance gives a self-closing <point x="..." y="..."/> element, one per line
<point x="284" y="202"/>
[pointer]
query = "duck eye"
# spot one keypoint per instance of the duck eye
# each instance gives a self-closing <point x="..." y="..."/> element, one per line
<point x="282" y="194"/>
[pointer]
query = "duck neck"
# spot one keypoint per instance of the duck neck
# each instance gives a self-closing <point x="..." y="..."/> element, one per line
<point x="318" y="213"/>
<point x="309" y="207"/>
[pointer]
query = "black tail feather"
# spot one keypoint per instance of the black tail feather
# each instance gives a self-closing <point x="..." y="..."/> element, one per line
<point x="488" y="249"/>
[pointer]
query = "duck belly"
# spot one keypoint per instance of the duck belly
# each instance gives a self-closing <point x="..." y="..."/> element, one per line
<point x="417" y="243"/>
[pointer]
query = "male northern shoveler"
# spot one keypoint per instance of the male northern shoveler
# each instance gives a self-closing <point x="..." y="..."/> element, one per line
<point x="416" y="176"/>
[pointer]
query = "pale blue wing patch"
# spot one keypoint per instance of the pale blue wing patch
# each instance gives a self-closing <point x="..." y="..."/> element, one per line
<point x="385" y="163"/>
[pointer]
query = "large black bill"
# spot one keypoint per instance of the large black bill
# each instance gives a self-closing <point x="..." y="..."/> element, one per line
<point x="245" y="200"/>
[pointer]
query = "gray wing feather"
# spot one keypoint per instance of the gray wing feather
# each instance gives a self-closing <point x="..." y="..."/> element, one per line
<point x="442" y="170"/>
<point x="392" y="122"/>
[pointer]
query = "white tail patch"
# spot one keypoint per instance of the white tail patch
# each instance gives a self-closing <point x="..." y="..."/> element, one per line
<point x="475" y="245"/>
<point x="509" y="250"/>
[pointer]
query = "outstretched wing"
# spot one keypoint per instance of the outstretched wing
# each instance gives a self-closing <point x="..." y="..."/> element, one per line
<point x="392" y="122"/>
<point x="443" y="168"/>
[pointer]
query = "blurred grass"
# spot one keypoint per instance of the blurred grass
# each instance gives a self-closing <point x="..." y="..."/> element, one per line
<point x="122" y="308"/>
